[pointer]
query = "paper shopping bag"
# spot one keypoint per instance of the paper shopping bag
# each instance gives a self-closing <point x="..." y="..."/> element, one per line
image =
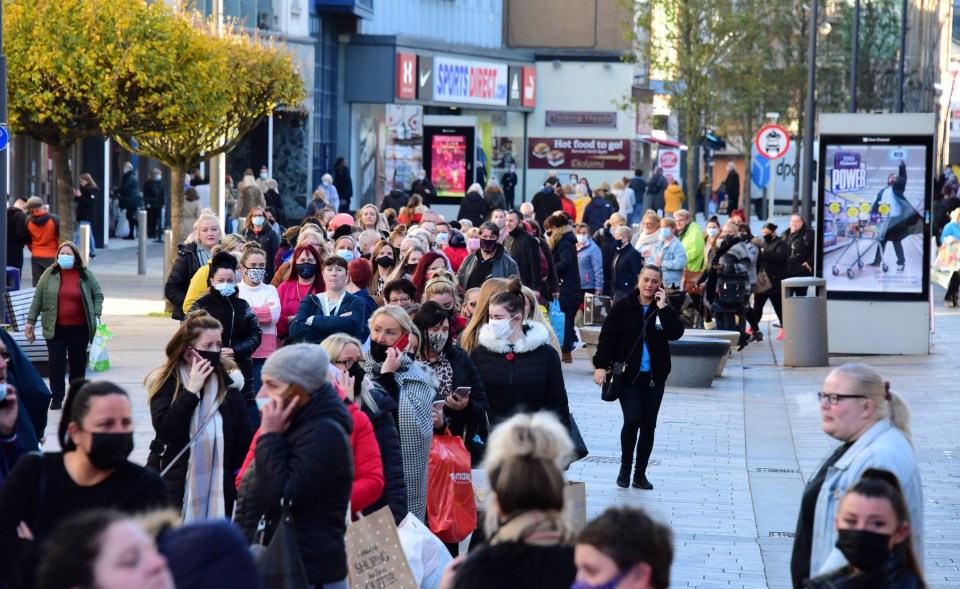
<point x="375" y="556"/>
<point x="575" y="505"/>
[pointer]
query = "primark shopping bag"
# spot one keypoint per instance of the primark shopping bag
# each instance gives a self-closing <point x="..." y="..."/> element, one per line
<point x="98" y="359"/>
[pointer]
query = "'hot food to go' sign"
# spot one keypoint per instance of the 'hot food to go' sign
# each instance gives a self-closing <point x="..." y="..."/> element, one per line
<point x="578" y="154"/>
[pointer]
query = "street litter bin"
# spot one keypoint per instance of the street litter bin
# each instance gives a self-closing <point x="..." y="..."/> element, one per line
<point x="805" y="322"/>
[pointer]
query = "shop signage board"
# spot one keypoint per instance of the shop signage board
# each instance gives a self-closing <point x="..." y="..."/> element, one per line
<point x="425" y="78"/>
<point x="529" y="87"/>
<point x="464" y="81"/>
<point x="581" y="119"/>
<point x="578" y="154"/>
<point x="406" y="76"/>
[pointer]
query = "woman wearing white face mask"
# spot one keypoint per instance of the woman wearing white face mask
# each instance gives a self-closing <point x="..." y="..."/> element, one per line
<point x="521" y="371"/>
<point x="68" y="299"/>
<point x="257" y="229"/>
<point x="265" y="303"/>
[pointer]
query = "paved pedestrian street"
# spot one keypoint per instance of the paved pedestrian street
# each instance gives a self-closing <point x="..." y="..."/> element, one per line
<point x="729" y="463"/>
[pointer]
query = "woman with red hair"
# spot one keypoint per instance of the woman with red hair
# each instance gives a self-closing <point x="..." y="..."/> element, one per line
<point x="429" y="263"/>
<point x="304" y="280"/>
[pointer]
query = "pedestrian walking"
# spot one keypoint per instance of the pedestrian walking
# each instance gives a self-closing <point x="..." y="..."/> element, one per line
<point x="86" y="197"/>
<point x="18" y="236"/>
<point x="731" y="185"/>
<point x="673" y="197"/>
<point x="874" y="535"/>
<point x="530" y="543"/>
<point x="609" y="243"/>
<point x="858" y="409"/>
<point x="190" y="212"/>
<point x="131" y="199"/>
<point x="563" y="247"/>
<point x="493" y="196"/>
<point x="44" y="230"/>
<point x="671" y="256"/>
<point x="637" y="333"/>
<point x="195" y="398"/>
<point x="524" y="249"/>
<point x="91" y="471"/>
<point x="200" y="283"/>
<point x="490" y="261"/>
<point x="154" y="198"/>
<point x="303" y="459"/>
<point x="772" y="262"/>
<point x="654" y="193"/>
<point x="69" y="302"/>
<point x="509" y="183"/>
<point x="649" y="235"/>
<point x="624" y="547"/>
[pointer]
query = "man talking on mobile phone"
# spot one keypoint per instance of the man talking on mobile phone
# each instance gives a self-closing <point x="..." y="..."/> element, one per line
<point x="634" y="341"/>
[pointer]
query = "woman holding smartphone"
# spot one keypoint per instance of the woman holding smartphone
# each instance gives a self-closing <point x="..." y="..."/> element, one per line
<point x="464" y="402"/>
<point x="646" y="355"/>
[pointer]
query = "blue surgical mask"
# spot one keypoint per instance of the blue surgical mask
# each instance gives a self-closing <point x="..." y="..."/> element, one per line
<point x="65" y="261"/>
<point x="582" y="238"/>
<point x="262" y="402"/>
<point x="258" y="221"/>
<point x="345" y="254"/>
<point x="264" y="175"/>
<point x="326" y="183"/>
<point x="421" y="177"/>
<point x="665" y="233"/>
<point x="158" y="177"/>
<point x="712" y="231"/>
<point x="225" y="288"/>
<point x="443" y="237"/>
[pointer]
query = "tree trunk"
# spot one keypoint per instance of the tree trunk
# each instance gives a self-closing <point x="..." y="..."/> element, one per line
<point x="176" y="211"/>
<point x="692" y="188"/>
<point x="68" y="207"/>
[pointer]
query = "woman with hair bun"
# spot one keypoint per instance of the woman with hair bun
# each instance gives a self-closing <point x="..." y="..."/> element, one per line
<point x="873" y="423"/>
<point x="521" y="371"/>
<point x="530" y="543"/>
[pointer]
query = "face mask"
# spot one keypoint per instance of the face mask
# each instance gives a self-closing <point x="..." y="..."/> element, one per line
<point x="225" y="289"/>
<point x="108" y="450"/>
<point x="378" y="351"/>
<point x="744" y="238"/>
<point x="262" y="402"/>
<point x="264" y="175"/>
<point x="306" y="270"/>
<point x="488" y="245"/>
<point x="862" y="549"/>
<point x="437" y="341"/>
<point x="410" y="268"/>
<point x="255" y="275"/>
<point x="768" y="237"/>
<point x="420" y="178"/>
<point x="158" y="177"/>
<point x="326" y="183"/>
<point x="582" y="238"/>
<point x="212" y="357"/>
<point x="712" y="231"/>
<point x="513" y="169"/>
<point x="501" y="328"/>
<point x="443" y="237"/>
<point x="473" y="243"/>
<point x="65" y="261"/>
<point x="385" y="262"/>
<point x="345" y="254"/>
<point x="258" y="221"/>
<point x="611" y="584"/>
<point x="665" y="233"/>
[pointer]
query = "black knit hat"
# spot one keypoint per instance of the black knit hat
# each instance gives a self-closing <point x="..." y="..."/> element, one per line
<point x="222" y="260"/>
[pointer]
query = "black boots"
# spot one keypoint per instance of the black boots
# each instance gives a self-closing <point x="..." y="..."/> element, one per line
<point x="640" y="482"/>
<point x="623" y="479"/>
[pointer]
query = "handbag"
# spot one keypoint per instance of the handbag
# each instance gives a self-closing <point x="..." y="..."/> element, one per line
<point x="690" y="279"/>
<point x="280" y="563"/>
<point x="763" y="282"/>
<point x="579" y="446"/>
<point x="615" y="381"/>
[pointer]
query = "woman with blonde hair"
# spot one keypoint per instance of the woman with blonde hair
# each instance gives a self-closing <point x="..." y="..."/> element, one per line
<point x="190" y="258"/>
<point x="197" y="393"/>
<point x="649" y="235"/>
<point x="531" y="544"/>
<point x="872" y="423"/>
<point x="397" y="235"/>
<point x="368" y="217"/>
<point x="468" y="339"/>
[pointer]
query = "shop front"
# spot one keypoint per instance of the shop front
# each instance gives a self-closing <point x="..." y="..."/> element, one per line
<point x="458" y="116"/>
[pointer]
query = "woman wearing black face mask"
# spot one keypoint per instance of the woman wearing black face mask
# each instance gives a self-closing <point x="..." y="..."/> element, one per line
<point x="196" y="393"/>
<point x="873" y="529"/>
<point x="384" y="257"/>
<point x="92" y="471"/>
<point x="304" y="280"/>
<point x="465" y="410"/>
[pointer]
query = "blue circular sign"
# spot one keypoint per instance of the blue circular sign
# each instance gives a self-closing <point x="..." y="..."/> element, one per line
<point x="4" y="138"/>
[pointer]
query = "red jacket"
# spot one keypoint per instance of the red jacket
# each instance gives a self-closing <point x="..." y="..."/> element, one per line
<point x="456" y="255"/>
<point x="569" y="207"/>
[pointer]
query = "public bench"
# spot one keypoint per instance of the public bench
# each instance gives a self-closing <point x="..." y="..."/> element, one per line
<point x="16" y="305"/>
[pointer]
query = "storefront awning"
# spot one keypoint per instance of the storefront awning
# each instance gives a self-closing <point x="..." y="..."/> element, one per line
<point x="659" y="141"/>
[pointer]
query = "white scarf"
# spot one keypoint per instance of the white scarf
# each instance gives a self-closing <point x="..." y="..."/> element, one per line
<point x="203" y="488"/>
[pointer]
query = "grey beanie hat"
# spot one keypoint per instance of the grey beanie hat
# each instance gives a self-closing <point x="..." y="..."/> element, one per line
<point x="303" y="364"/>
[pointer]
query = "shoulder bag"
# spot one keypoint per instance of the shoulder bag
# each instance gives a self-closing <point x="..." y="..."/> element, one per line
<point x="615" y="381"/>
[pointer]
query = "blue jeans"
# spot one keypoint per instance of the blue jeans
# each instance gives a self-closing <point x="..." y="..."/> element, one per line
<point x="76" y="236"/>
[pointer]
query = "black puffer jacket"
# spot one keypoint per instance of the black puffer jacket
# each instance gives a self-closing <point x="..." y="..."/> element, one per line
<point x="171" y="422"/>
<point x="521" y="377"/>
<point x="893" y="574"/>
<point x="473" y="207"/>
<point x="396" y="200"/>
<point x="241" y="329"/>
<point x="472" y="420"/>
<point x="622" y="327"/>
<point x="773" y="260"/>
<point x="185" y="266"/>
<point x="525" y="251"/>
<point x="608" y="248"/>
<point x="802" y="249"/>
<point x="388" y="438"/>
<point x="564" y="252"/>
<point x="87" y="204"/>
<point x="311" y="465"/>
<point x="624" y="269"/>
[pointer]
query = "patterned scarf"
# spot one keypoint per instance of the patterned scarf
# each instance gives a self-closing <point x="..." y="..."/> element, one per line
<point x="203" y="489"/>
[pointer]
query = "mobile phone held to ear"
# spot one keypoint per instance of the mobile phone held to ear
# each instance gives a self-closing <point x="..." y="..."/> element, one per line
<point x="402" y="343"/>
<point x="298" y="392"/>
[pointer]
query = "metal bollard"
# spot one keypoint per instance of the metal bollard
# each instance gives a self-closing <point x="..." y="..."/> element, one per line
<point x="167" y="240"/>
<point x="85" y="245"/>
<point x="142" y="242"/>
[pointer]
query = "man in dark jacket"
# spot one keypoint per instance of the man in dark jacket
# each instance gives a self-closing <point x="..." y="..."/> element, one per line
<point x="473" y="207"/>
<point x="17" y="235"/>
<point x="902" y="219"/>
<point x="424" y="187"/>
<point x="343" y="183"/>
<point x="596" y="213"/>
<point x="490" y="261"/>
<point x="396" y="200"/>
<point x="130" y="197"/>
<point x="639" y="187"/>
<point x="654" y="193"/>
<point x="154" y="199"/>
<point x="606" y="238"/>
<point x="545" y="203"/>
<point x="638" y="332"/>
<point x="524" y="249"/>
<point x="303" y="456"/>
<point x="731" y="185"/>
<point x="509" y="184"/>
<point x="626" y="265"/>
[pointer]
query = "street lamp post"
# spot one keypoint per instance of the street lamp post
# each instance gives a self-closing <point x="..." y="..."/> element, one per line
<point x="3" y="160"/>
<point x="855" y="58"/>
<point x="806" y="201"/>
<point x="901" y="64"/>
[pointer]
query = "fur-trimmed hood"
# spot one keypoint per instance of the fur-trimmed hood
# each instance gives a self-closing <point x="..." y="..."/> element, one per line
<point x="535" y="335"/>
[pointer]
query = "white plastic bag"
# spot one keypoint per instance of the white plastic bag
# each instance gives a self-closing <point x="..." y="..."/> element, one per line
<point x="427" y="555"/>
<point x="123" y="228"/>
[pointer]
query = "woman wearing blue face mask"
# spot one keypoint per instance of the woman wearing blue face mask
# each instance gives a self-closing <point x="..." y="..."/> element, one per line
<point x="197" y="393"/>
<point x="241" y="328"/>
<point x="257" y="229"/>
<point x="672" y="259"/>
<point x="69" y="301"/>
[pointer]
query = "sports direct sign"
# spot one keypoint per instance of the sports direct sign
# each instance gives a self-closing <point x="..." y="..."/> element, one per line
<point x="469" y="82"/>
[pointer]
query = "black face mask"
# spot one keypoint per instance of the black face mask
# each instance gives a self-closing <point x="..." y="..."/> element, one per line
<point x="488" y="245"/>
<point x="357" y="371"/>
<point x="212" y="357"/>
<point x="307" y="270"/>
<point x="410" y="268"/>
<point x="768" y="237"/>
<point x="385" y="262"/>
<point x="864" y="550"/>
<point x="108" y="450"/>
<point x="378" y="351"/>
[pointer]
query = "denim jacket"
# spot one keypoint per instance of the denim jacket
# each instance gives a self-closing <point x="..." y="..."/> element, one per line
<point x="881" y="446"/>
<point x="674" y="260"/>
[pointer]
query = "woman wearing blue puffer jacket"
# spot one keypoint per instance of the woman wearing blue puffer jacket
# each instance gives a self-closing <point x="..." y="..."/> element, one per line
<point x="590" y="259"/>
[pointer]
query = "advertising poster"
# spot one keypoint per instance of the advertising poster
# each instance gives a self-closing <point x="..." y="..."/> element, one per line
<point x="404" y="150"/>
<point x="874" y="206"/>
<point x="448" y="157"/>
